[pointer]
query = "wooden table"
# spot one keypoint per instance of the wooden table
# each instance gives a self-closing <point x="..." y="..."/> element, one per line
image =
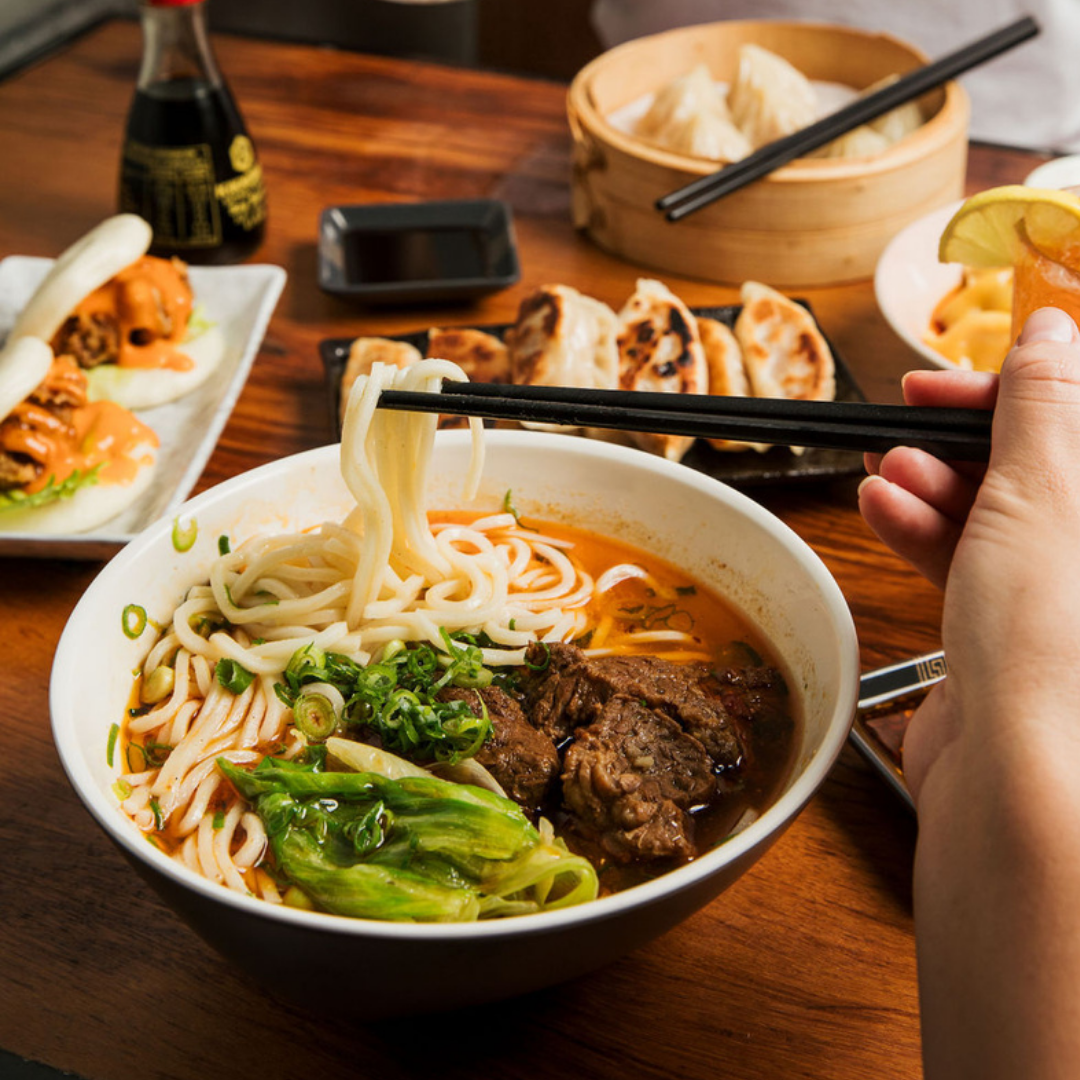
<point x="805" y="968"/>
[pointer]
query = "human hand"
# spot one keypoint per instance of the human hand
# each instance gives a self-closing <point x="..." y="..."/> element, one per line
<point x="1003" y="540"/>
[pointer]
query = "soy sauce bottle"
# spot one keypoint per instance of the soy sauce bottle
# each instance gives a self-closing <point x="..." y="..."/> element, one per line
<point x="188" y="165"/>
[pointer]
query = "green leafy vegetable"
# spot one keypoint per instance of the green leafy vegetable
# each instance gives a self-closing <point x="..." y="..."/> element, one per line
<point x="16" y="499"/>
<point x="233" y="676"/>
<point x="417" y="848"/>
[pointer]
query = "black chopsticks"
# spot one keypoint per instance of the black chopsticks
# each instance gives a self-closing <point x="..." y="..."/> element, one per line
<point x="763" y="161"/>
<point x="957" y="434"/>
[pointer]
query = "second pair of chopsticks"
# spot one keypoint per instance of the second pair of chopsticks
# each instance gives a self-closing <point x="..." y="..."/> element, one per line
<point x="771" y="156"/>
<point x="957" y="434"/>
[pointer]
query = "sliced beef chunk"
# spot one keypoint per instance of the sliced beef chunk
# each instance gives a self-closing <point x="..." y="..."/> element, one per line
<point x="91" y="339"/>
<point x="559" y="694"/>
<point x="758" y="699"/>
<point x="572" y="688"/>
<point x="629" y="779"/>
<point x="15" y="471"/>
<point x="521" y="758"/>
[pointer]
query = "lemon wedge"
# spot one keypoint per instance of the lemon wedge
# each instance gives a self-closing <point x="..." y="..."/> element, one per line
<point x="994" y="227"/>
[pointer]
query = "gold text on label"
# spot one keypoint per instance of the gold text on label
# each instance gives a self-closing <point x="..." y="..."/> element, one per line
<point x="244" y="197"/>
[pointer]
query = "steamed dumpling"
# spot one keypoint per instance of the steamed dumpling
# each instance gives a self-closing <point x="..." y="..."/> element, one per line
<point x="708" y="136"/>
<point x="769" y="98"/>
<point x="563" y="338"/>
<point x="877" y="135"/>
<point x="689" y="115"/>
<point x="660" y="350"/>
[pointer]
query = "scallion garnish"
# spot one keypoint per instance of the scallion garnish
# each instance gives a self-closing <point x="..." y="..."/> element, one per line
<point x="133" y="620"/>
<point x="114" y="734"/>
<point x="509" y="507"/>
<point x="314" y="712"/>
<point x="233" y="676"/>
<point x="223" y="545"/>
<point x="159" y="821"/>
<point x="184" y="536"/>
<point x="219" y="820"/>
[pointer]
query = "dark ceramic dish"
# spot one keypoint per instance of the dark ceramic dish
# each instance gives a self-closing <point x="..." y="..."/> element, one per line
<point x="428" y="251"/>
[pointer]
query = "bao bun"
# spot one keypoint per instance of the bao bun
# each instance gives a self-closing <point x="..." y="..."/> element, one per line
<point x="85" y="266"/>
<point x="24" y="364"/>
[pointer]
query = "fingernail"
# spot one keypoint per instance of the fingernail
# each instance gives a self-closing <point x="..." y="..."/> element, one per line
<point x="866" y="482"/>
<point x="1048" y="324"/>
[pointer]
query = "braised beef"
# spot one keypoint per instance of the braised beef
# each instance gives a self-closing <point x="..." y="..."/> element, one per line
<point x="15" y="471"/>
<point x="522" y="759"/>
<point x="572" y="688"/>
<point x="631" y="777"/>
<point x="91" y="339"/>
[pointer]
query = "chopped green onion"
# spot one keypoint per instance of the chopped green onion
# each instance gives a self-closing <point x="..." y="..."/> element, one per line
<point x="158" y="685"/>
<point x="317" y="711"/>
<point x="122" y="789"/>
<point x="233" y="676"/>
<point x="219" y="820"/>
<point x="184" y="536"/>
<point x="223" y="545"/>
<point x="133" y="620"/>
<point x="114" y="734"/>
<point x="509" y="507"/>
<point x="159" y="821"/>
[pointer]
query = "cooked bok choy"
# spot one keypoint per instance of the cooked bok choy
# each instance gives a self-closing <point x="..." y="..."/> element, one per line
<point x="413" y="849"/>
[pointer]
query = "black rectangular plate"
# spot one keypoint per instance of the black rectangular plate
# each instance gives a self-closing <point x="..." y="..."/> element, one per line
<point x="427" y="251"/>
<point x="742" y="468"/>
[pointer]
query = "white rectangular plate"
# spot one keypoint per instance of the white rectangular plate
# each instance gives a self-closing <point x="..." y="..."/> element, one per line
<point x="240" y="300"/>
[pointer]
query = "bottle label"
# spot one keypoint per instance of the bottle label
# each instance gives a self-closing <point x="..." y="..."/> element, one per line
<point x="174" y="188"/>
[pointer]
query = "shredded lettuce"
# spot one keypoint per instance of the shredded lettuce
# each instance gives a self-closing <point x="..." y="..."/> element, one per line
<point x="197" y="323"/>
<point x="414" y="849"/>
<point x="51" y="492"/>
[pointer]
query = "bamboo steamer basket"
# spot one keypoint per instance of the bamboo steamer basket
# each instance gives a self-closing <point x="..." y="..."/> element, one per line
<point x="813" y="221"/>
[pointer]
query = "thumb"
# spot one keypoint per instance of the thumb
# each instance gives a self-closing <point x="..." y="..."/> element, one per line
<point x="1037" y="416"/>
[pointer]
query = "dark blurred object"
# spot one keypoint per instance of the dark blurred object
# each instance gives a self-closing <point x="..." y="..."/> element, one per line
<point x="31" y="29"/>
<point x="553" y="39"/>
<point x="443" y="31"/>
<point x="188" y="165"/>
<point x="431" y="251"/>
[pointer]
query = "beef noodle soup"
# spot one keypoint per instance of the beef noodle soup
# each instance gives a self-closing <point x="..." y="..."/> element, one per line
<point x="445" y="716"/>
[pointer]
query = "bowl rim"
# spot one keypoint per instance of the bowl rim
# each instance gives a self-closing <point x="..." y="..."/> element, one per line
<point x="892" y="262"/>
<point x="934" y="134"/>
<point x="773" y="821"/>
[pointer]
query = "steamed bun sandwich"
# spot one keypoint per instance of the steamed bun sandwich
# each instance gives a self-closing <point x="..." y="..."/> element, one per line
<point x="128" y="319"/>
<point x="67" y="464"/>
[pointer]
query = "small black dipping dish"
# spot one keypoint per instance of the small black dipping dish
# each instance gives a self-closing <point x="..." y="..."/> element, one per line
<point x="427" y="251"/>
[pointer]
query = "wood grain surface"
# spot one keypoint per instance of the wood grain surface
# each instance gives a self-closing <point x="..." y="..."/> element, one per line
<point x="805" y="968"/>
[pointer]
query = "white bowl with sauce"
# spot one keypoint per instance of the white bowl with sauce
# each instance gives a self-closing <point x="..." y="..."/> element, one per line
<point x="909" y="281"/>
<point x="722" y="537"/>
